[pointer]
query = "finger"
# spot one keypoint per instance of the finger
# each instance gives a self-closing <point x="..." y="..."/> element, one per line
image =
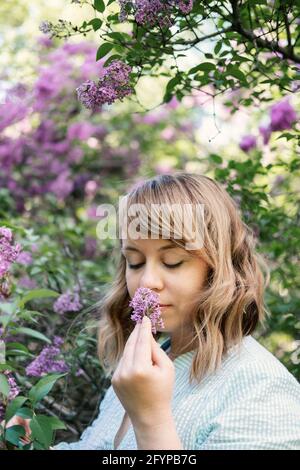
<point x="27" y="427"/>
<point x="142" y="353"/>
<point x="128" y="353"/>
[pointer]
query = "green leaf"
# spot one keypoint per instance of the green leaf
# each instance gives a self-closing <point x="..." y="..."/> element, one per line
<point x="235" y="72"/>
<point x="204" y="67"/>
<point x="218" y="47"/>
<point x="43" y="387"/>
<point x="6" y="366"/>
<point x="103" y="50"/>
<point x="99" y="5"/>
<point x="25" y="413"/>
<point x="37" y="294"/>
<point x="17" y="346"/>
<point x="13" y="434"/>
<point x="4" y="385"/>
<point x="13" y="406"/>
<point x="215" y="158"/>
<point x="30" y="332"/>
<point x="41" y="430"/>
<point x="56" y="423"/>
<point x="96" y="23"/>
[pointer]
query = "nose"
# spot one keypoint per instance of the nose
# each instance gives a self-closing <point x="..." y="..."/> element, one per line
<point x="151" y="278"/>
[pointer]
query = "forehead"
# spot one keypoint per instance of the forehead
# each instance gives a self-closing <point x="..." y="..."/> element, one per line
<point x="149" y="245"/>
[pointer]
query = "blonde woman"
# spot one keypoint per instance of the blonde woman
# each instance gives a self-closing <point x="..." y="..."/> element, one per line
<point x="202" y="381"/>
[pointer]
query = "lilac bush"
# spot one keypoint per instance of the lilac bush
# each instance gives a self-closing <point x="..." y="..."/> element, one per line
<point x="55" y="145"/>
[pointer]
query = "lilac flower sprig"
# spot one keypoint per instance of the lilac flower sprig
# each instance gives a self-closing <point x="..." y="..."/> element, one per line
<point x="47" y="361"/>
<point x="8" y="251"/>
<point x="112" y="86"/>
<point x="146" y="302"/>
<point x="68" y="302"/>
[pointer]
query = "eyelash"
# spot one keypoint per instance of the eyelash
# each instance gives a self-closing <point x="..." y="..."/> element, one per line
<point x="170" y="266"/>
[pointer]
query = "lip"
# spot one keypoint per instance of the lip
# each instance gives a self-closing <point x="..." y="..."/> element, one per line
<point x="164" y="305"/>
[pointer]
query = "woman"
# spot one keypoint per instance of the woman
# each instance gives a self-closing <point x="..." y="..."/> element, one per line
<point x="210" y="385"/>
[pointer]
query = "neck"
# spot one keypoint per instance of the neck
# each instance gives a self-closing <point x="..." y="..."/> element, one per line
<point x="180" y="344"/>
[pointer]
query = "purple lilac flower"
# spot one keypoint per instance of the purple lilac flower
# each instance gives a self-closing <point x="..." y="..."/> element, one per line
<point x="80" y="130"/>
<point x="62" y="186"/>
<point x="12" y="112"/>
<point x="146" y="302"/>
<point x="46" y="27"/>
<point x="185" y="6"/>
<point x="87" y="93"/>
<point x="152" y="12"/>
<point x="112" y="86"/>
<point x="283" y="116"/>
<point x="248" y="142"/>
<point x="8" y="252"/>
<point x="67" y="302"/>
<point x="266" y="132"/>
<point x="46" y="362"/>
<point x="27" y="283"/>
<point x="24" y="258"/>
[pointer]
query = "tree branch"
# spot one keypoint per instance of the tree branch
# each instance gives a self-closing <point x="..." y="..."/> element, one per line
<point x="237" y="26"/>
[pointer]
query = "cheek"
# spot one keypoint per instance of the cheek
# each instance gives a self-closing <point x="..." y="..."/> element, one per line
<point x="189" y="283"/>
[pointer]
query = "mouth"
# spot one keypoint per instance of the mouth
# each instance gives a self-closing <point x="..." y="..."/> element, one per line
<point x="164" y="305"/>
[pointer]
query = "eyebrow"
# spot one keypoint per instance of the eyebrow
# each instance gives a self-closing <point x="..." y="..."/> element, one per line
<point x="162" y="248"/>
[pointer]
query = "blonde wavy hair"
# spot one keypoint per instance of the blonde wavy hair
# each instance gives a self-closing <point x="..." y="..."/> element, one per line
<point x="231" y="302"/>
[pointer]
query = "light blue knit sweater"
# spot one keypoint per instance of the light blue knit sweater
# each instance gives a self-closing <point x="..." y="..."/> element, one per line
<point x="251" y="402"/>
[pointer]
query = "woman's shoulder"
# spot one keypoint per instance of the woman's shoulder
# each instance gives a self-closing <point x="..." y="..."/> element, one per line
<point x="250" y="363"/>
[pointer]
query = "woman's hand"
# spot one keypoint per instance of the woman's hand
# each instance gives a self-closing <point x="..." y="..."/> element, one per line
<point x="144" y="378"/>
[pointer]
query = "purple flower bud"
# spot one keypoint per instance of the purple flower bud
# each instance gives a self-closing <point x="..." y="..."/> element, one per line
<point x="248" y="142"/>
<point x="266" y="133"/>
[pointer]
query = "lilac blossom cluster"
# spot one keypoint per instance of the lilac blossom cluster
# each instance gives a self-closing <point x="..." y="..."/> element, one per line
<point x="146" y="302"/>
<point x="13" y="391"/>
<point x="67" y="302"/>
<point x="113" y="85"/>
<point x="153" y="12"/>
<point x="46" y="362"/>
<point x="8" y="251"/>
<point x="282" y="117"/>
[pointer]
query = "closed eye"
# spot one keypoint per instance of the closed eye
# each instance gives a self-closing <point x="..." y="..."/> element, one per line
<point x="170" y="266"/>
